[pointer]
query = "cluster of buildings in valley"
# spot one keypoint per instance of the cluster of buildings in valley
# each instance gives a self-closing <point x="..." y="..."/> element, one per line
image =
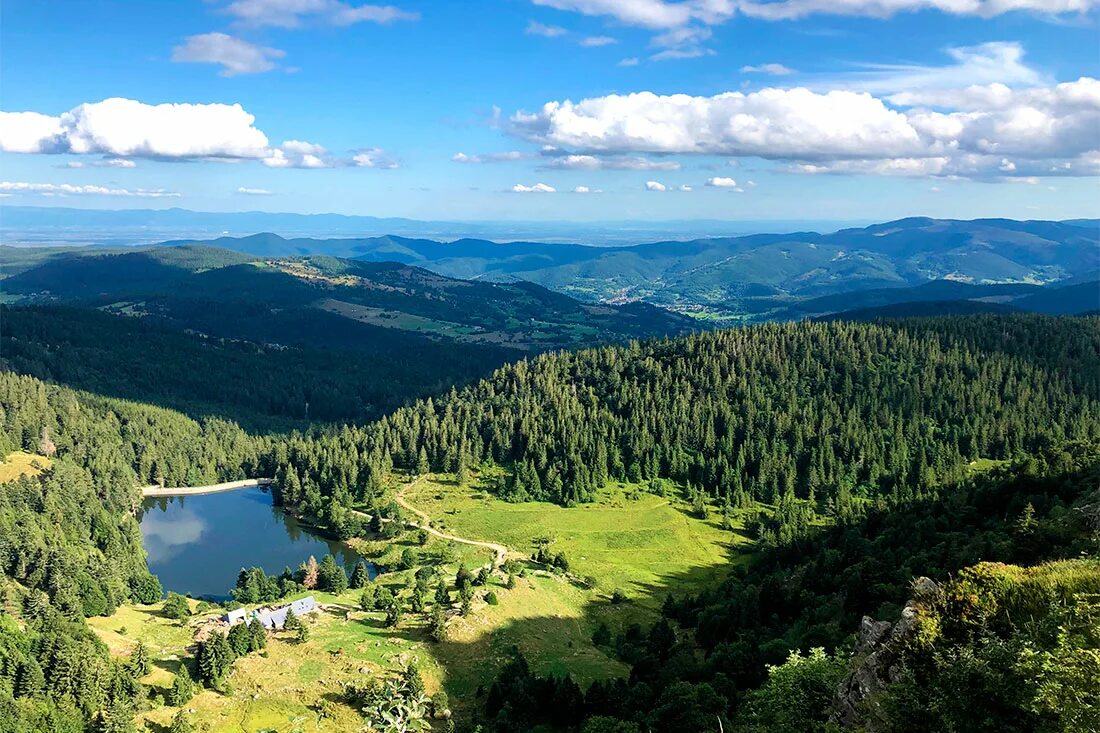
<point x="271" y="618"/>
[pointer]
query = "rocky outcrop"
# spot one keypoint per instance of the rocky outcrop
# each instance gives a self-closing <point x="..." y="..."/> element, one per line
<point x="877" y="659"/>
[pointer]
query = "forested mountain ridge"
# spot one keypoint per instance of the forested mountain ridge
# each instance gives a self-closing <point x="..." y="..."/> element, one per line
<point x="813" y="411"/>
<point x="263" y="386"/>
<point x="752" y="277"/>
<point x="752" y="274"/>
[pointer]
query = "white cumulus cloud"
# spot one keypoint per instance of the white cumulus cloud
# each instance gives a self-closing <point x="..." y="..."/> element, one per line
<point x="720" y="182"/>
<point x="535" y="28"/>
<point x="597" y="41"/>
<point x="300" y="147"/>
<point x="987" y="63"/>
<point x="122" y="129"/>
<point x="537" y="188"/>
<point x="663" y="14"/>
<point x="127" y="128"/>
<point x="105" y="163"/>
<point x="648" y="13"/>
<point x="374" y="158"/>
<point x="611" y="162"/>
<point x="768" y="123"/>
<point x="675" y="54"/>
<point x="27" y="132"/>
<point x="247" y="191"/>
<point x="1044" y="130"/>
<point x="793" y="9"/>
<point x="502" y="157"/>
<point x="234" y="55"/>
<point x="655" y="186"/>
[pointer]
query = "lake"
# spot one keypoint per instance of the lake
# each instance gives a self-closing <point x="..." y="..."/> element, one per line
<point x="198" y="544"/>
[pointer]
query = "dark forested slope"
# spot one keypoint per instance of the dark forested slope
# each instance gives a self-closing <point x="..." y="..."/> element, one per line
<point x="70" y="546"/>
<point x="253" y="383"/>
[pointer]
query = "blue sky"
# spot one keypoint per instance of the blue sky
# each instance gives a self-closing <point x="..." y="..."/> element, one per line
<point x="556" y="109"/>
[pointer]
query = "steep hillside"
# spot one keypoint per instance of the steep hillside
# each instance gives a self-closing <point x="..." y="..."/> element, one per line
<point x="260" y="385"/>
<point x="795" y="415"/>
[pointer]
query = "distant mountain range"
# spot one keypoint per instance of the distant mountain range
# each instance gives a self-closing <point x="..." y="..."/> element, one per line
<point x="761" y="275"/>
<point x="1046" y="266"/>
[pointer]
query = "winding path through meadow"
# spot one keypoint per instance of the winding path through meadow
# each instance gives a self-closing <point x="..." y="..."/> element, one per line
<point x="500" y="552"/>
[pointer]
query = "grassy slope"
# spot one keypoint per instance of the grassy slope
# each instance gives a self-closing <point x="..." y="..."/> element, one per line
<point x="628" y="539"/>
<point x="21" y="463"/>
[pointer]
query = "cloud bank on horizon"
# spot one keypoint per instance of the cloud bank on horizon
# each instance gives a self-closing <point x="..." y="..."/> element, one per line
<point x="625" y="89"/>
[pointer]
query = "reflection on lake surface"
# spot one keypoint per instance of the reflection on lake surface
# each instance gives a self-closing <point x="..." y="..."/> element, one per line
<point x="198" y="544"/>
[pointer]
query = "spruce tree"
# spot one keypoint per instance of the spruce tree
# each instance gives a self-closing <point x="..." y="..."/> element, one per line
<point x="437" y="628"/>
<point x="257" y="635"/>
<point x="331" y="576"/>
<point x="183" y="688"/>
<point x="118" y="717"/>
<point x="359" y="577"/>
<point x="442" y="595"/>
<point x="139" y="660"/>
<point x="181" y="724"/>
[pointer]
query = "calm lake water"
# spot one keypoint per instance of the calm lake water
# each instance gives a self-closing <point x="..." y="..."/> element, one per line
<point x="198" y="544"/>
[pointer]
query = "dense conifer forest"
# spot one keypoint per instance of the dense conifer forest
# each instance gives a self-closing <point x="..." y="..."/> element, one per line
<point x="827" y="414"/>
<point x="263" y="386"/>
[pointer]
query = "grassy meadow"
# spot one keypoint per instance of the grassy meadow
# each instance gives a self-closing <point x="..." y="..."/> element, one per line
<point x="21" y="463"/>
<point x="629" y="539"/>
